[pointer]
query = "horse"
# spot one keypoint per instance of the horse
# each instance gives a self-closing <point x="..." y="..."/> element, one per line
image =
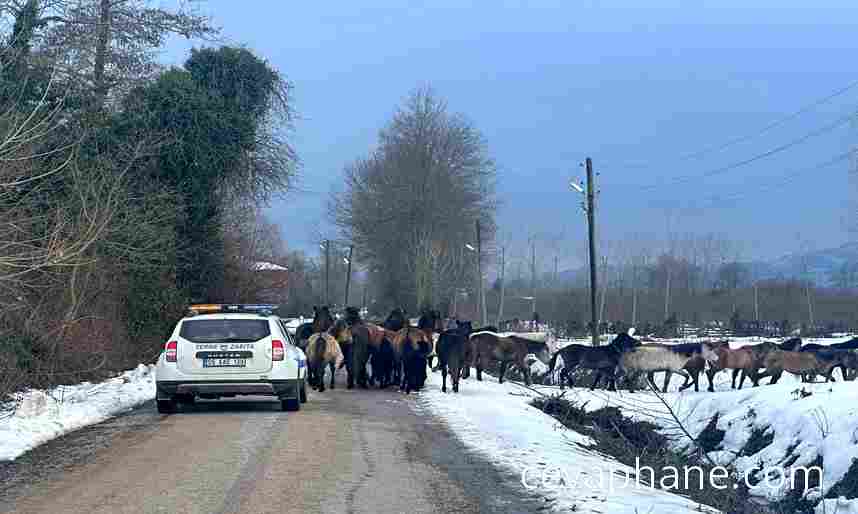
<point x="326" y="349"/>
<point x="453" y="353"/>
<point x="603" y="359"/>
<point x="396" y="321"/>
<point x="852" y="344"/>
<point x="302" y="335"/>
<point x="746" y="360"/>
<point x="792" y="344"/>
<point x="650" y="358"/>
<point x="357" y="353"/>
<point x="411" y="346"/>
<point x="322" y="319"/>
<point x="798" y="363"/>
<point x="381" y="354"/>
<point x="490" y="347"/>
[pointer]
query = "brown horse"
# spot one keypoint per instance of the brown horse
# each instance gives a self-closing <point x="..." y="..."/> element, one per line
<point x="797" y="363"/>
<point x="382" y="356"/>
<point x="322" y="319"/>
<point x="411" y="346"/>
<point x="745" y="360"/>
<point x="326" y="349"/>
<point x="490" y="347"/>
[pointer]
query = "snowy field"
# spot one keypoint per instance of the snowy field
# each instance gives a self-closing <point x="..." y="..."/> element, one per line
<point x="803" y="421"/>
<point x="40" y="416"/>
<point x="496" y="421"/>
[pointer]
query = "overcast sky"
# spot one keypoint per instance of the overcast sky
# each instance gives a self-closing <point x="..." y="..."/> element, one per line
<point x="640" y="90"/>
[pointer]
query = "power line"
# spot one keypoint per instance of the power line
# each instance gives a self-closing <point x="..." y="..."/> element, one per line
<point x="744" y="162"/>
<point x="752" y="135"/>
<point x="716" y="200"/>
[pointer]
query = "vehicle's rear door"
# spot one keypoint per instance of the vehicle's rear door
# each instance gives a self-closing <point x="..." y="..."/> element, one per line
<point x="224" y="345"/>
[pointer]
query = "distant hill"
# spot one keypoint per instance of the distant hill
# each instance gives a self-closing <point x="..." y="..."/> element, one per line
<point x="822" y="264"/>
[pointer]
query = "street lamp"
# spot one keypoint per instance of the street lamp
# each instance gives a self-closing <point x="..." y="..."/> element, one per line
<point x="469" y="247"/>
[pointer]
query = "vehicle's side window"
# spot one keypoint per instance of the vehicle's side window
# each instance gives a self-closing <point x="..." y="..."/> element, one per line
<point x="285" y="332"/>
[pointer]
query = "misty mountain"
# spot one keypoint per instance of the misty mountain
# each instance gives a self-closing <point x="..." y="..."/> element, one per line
<point x="820" y="265"/>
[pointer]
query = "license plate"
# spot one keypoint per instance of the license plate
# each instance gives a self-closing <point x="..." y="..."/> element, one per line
<point x="224" y="363"/>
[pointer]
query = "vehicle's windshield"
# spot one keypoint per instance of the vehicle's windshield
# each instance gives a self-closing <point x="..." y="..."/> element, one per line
<point x="206" y="330"/>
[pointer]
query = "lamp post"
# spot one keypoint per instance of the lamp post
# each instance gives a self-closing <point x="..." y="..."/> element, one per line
<point x="481" y="306"/>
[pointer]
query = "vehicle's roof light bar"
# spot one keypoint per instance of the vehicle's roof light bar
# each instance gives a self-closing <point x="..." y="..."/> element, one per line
<point x="264" y="309"/>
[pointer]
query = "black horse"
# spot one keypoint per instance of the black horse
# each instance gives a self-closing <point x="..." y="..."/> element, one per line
<point x="454" y="353"/>
<point x="604" y="360"/>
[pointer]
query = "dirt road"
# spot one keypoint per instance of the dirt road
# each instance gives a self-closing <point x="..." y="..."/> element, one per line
<point x="345" y="452"/>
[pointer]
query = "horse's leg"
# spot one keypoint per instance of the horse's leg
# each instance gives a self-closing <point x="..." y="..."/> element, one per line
<point x="710" y="374"/>
<point x="333" y="366"/>
<point x="667" y="380"/>
<point x="527" y="379"/>
<point x="596" y="379"/>
<point x="454" y="375"/>
<point x="503" y="366"/>
<point x="320" y="376"/>
<point x="650" y="378"/>
<point x="443" y="367"/>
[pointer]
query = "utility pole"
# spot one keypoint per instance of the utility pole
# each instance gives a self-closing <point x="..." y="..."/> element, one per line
<point x="363" y="303"/>
<point x="533" y="277"/>
<point x="327" y="271"/>
<point x="591" y="228"/>
<point x="604" y="287"/>
<point x="348" y="274"/>
<point x="556" y="276"/>
<point x="481" y="299"/>
<point x="502" y="284"/>
<point x="756" y="304"/>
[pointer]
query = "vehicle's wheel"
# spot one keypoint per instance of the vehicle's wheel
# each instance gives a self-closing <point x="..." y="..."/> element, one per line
<point x="291" y="404"/>
<point x="303" y="392"/>
<point x="166" y="406"/>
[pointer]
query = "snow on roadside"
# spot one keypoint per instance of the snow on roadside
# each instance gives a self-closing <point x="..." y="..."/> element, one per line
<point x="44" y="415"/>
<point x="497" y="421"/>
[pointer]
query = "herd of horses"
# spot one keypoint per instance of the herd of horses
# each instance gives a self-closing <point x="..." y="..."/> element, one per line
<point x="627" y="357"/>
<point x="398" y="353"/>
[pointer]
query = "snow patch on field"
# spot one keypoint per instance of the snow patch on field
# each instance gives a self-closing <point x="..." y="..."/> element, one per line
<point x="40" y="416"/>
<point x="497" y="421"/>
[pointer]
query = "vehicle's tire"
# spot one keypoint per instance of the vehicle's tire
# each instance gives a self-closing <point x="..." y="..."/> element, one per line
<point x="166" y="406"/>
<point x="302" y="392"/>
<point x="291" y="404"/>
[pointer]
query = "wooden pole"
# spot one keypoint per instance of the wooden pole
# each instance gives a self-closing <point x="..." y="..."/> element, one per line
<point x="591" y="229"/>
<point x="348" y="275"/>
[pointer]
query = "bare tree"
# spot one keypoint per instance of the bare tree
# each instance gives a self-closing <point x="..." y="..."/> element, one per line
<point x="410" y="207"/>
<point x="100" y="46"/>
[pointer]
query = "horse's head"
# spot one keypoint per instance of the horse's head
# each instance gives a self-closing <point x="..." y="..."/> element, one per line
<point x="624" y="342"/>
<point x="709" y="352"/>
<point x="341" y="331"/>
<point x="352" y="315"/>
<point x="464" y="327"/>
<point x="430" y="321"/>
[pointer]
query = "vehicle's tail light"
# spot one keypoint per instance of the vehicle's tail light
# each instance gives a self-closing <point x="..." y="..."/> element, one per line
<point x="278" y="352"/>
<point x="171" y="348"/>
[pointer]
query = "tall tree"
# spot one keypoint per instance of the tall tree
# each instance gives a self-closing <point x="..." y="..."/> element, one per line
<point x="211" y="151"/>
<point x="410" y="206"/>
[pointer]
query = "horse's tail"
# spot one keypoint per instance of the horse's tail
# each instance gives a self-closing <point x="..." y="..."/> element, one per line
<point x="553" y="362"/>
